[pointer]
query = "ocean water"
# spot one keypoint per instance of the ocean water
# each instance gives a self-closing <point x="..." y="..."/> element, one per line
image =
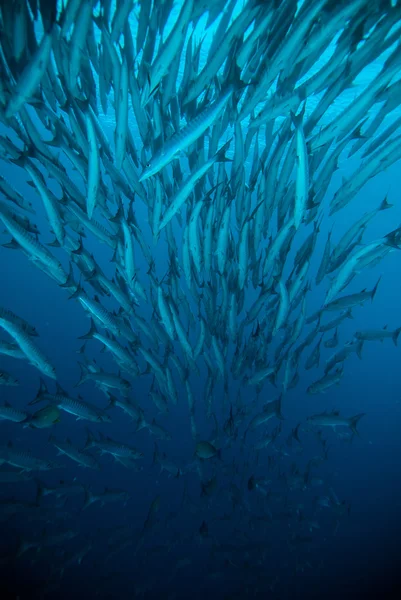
<point x="276" y="539"/>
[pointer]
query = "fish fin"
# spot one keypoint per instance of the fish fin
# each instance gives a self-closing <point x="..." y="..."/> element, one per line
<point x="353" y="422"/>
<point x="12" y="245"/>
<point x="395" y="336"/>
<point x="373" y="293"/>
<point x="91" y="332"/>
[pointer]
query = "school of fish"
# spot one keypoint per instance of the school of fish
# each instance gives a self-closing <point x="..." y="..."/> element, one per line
<point x="190" y="151"/>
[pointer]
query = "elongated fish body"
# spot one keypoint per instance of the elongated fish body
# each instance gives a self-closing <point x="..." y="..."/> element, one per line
<point x="283" y="307"/>
<point x="78" y="408"/>
<point x="34" y="355"/>
<point x="325" y="382"/>
<point x="30" y="244"/>
<point x="123" y="357"/>
<point x="272" y="409"/>
<point x="275" y="248"/>
<point x="93" y="168"/>
<point x="9" y="413"/>
<point x="98" y="311"/>
<point x="96" y="228"/>
<point x="184" y="192"/>
<point x="193" y="236"/>
<point x="302" y="178"/>
<point x="25" y="461"/>
<point x="78" y="41"/>
<point x="129" y="407"/>
<point x="108" y="446"/>
<point x="348" y="269"/>
<point x="222" y="240"/>
<point x="13" y="318"/>
<point x="81" y="410"/>
<point x="261" y="375"/>
<point x="120" y="135"/>
<point x="31" y="76"/>
<point x="171" y="46"/>
<point x="129" y="260"/>
<point x="165" y="314"/>
<point x="48" y="202"/>
<point x="334" y="419"/>
<point x="372" y="335"/>
<point x="11" y="349"/>
<point x="187" y="136"/>
<point x="84" y="459"/>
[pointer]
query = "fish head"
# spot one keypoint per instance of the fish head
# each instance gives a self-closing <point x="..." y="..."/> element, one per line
<point x="51" y="371"/>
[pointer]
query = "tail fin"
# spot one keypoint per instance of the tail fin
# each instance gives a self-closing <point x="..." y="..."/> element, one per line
<point x="221" y="156"/>
<point x="112" y="401"/>
<point x="373" y="294"/>
<point x="385" y="204"/>
<point x="395" y="336"/>
<point x="69" y="282"/>
<point x="90" y="333"/>
<point x="353" y="422"/>
<point x="141" y="423"/>
<point x="90" y="440"/>
<point x="41" y="392"/>
<point x="295" y="433"/>
<point x="298" y="119"/>
<point x="84" y="373"/>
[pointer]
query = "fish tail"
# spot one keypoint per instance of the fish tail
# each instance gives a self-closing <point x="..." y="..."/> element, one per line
<point x="353" y="422"/>
<point x="395" y="336"/>
<point x="91" y="332"/>
<point x="41" y="392"/>
<point x="84" y="373"/>
<point x="373" y="294"/>
<point x="297" y="119"/>
<point x="90" y="440"/>
<point x="385" y="204"/>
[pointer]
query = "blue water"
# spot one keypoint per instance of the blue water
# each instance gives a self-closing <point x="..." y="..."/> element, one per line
<point x="251" y="549"/>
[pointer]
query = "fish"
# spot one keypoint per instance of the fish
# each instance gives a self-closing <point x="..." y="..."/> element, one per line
<point x="379" y="335"/>
<point x="32" y="352"/>
<point x="76" y="407"/>
<point x="195" y="176"/>
<point x="108" y="446"/>
<point x="326" y="382"/>
<point x="206" y="450"/>
<point x="334" y="419"/>
<point x="44" y="417"/>
<point x="10" y="413"/>
<point x="186" y="136"/>
<point x="83" y="459"/>
<point x="302" y="179"/>
<point x="24" y="460"/>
